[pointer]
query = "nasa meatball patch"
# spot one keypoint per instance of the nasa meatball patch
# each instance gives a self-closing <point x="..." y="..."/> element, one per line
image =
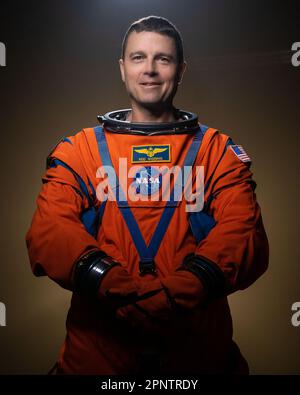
<point x="147" y="180"/>
<point x="239" y="151"/>
<point x="151" y="153"/>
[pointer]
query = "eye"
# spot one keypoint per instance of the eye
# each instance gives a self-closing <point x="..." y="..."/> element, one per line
<point x="137" y="57"/>
<point x="164" y="59"/>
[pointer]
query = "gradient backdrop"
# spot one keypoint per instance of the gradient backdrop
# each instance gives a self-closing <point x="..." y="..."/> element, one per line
<point x="62" y="71"/>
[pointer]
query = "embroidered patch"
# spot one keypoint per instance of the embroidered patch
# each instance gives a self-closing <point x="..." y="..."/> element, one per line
<point x="240" y="153"/>
<point x="147" y="180"/>
<point x="151" y="153"/>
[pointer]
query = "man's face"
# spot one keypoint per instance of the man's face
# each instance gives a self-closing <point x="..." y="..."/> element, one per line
<point x="150" y="69"/>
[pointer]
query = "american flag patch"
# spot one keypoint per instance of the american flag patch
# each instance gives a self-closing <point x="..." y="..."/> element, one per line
<point x="240" y="153"/>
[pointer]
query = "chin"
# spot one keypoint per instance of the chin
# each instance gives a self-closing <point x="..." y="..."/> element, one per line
<point x="152" y="105"/>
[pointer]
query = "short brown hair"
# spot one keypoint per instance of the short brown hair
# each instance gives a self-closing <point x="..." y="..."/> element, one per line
<point x="159" y="25"/>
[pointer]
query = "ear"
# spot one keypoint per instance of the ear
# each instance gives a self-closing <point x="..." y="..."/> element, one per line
<point x="121" y="64"/>
<point x="181" y="70"/>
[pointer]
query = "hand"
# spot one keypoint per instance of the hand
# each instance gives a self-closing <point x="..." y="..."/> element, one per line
<point x="118" y="287"/>
<point x="151" y="311"/>
<point x="185" y="289"/>
<point x="98" y="274"/>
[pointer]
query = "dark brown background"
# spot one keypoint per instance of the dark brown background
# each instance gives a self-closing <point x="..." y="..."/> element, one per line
<point x="62" y="71"/>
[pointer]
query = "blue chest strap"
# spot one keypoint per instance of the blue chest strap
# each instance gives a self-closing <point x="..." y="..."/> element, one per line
<point x="146" y="253"/>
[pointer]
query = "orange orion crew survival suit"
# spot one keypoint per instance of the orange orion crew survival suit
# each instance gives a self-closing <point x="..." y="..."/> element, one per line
<point x="99" y="343"/>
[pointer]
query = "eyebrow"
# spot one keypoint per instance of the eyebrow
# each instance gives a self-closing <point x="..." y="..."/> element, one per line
<point x="156" y="55"/>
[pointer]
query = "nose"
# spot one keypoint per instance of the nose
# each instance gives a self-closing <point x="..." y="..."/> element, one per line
<point x="150" y="67"/>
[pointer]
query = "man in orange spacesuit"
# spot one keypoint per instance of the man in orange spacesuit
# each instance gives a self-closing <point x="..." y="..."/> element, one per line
<point x="149" y="271"/>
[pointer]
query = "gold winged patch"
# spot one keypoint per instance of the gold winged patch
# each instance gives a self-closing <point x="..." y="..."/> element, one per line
<point x="150" y="152"/>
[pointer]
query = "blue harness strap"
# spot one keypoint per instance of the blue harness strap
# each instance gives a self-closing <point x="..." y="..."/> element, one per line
<point x="132" y="225"/>
<point x="200" y="222"/>
<point x="169" y="210"/>
<point x="146" y="253"/>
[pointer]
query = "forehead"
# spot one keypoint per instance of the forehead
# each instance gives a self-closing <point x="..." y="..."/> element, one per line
<point x="150" y="42"/>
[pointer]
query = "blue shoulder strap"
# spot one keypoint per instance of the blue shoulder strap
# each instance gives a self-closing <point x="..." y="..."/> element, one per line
<point x="146" y="253"/>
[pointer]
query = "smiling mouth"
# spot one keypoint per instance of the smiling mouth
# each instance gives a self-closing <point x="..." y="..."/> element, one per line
<point x="150" y="83"/>
<point x="150" y="86"/>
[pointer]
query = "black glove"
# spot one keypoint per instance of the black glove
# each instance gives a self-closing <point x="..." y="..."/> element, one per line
<point x="97" y="274"/>
<point x="197" y="281"/>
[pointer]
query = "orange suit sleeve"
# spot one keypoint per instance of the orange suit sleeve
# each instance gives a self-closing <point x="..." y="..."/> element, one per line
<point x="237" y="244"/>
<point x="56" y="237"/>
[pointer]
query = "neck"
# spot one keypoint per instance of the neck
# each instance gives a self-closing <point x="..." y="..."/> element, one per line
<point x="147" y="115"/>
